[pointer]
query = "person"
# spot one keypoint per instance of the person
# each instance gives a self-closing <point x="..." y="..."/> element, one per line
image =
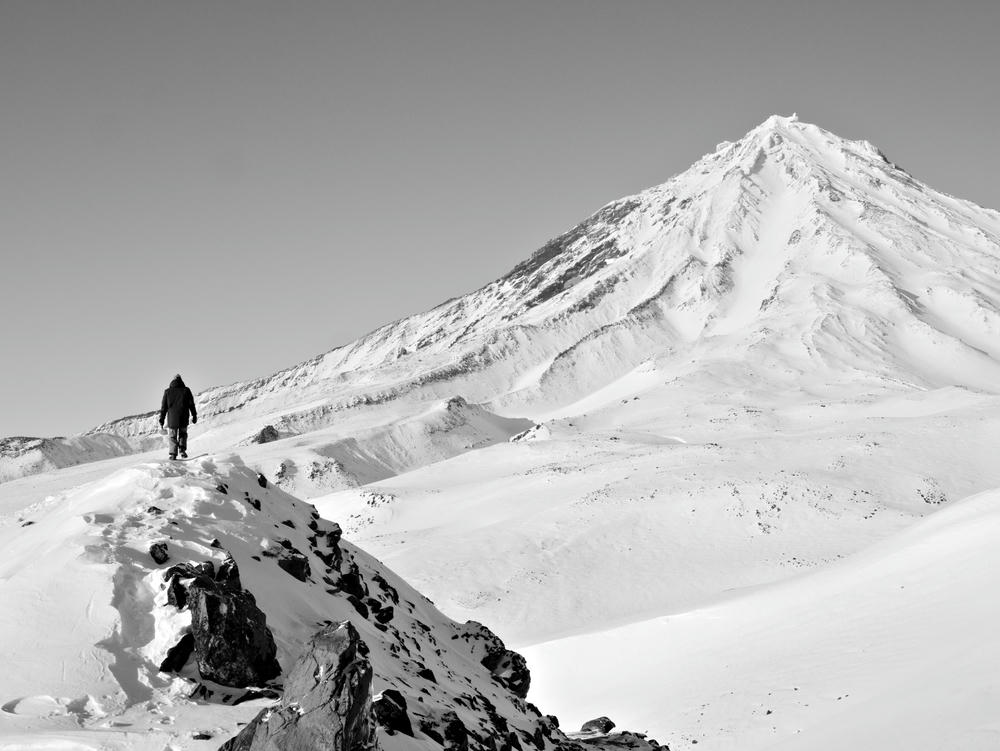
<point x="177" y="402"/>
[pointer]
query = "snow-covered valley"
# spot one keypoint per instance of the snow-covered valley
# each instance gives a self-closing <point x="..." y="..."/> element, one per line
<point x="720" y="462"/>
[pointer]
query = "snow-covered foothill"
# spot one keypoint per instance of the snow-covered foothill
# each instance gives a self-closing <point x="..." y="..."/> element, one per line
<point x="894" y="647"/>
<point x="101" y="587"/>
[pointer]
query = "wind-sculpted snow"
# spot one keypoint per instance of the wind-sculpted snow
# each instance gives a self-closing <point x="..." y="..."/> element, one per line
<point x="21" y="456"/>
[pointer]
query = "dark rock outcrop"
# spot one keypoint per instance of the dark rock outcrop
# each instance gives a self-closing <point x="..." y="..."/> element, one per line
<point x="456" y="736"/>
<point x="267" y="434"/>
<point x="294" y="562"/>
<point x="231" y="642"/>
<point x="158" y="552"/>
<point x="177" y="655"/>
<point x="598" y="725"/>
<point x="390" y="712"/>
<point x="327" y="704"/>
<point x="510" y="669"/>
<point x="507" y="667"/>
<point x="623" y="740"/>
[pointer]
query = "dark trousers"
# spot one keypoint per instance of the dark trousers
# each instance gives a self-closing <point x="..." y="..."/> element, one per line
<point x="178" y="441"/>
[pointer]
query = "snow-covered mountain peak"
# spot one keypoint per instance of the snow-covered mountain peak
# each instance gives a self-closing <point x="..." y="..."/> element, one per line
<point x="791" y="253"/>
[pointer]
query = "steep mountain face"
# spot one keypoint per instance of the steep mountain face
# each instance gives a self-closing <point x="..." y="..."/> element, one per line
<point x="791" y="251"/>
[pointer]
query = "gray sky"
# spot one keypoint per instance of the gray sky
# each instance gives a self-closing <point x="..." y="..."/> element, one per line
<point x="227" y="188"/>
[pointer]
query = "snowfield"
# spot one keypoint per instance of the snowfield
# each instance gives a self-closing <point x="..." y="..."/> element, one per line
<point x="894" y="647"/>
<point x="720" y="461"/>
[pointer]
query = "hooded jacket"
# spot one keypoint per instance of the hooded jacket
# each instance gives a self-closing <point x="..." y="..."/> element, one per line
<point x="177" y="402"/>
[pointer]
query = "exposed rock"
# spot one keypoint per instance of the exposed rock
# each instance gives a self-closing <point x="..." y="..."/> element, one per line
<point x="352" y="583"/>
<point x="626" y="740"/>
<point x="261" y="480"/>
<point x="507" y="667"/>
<point x="176" y="592"/>
<point x="456" y="736"/>
<point x="177" y="655"/>
<point x="267" y="434"/>
<point x="228" y="574"/>
<point x="231" y="641"/>
<point x="158" y="552"/>
<point x="358" y="605"/>
<point x="510" y="669"/>
<point x="295" y="563"/>
<point x="327" y="704"/>
<point x="233" y="644"/>
<point x="390" y="712"/>
<point x="334" y="533"/>
<point x="427" y="674"/>
<point x="598" y="725"/>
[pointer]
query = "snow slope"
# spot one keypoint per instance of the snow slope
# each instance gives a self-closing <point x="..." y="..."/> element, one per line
<point x="656" y="506"/>
<point x="895" y="647"/>
<point x="86" y="621"/>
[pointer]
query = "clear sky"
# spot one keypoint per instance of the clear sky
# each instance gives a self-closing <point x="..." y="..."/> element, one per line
<point x="226" y="188"/>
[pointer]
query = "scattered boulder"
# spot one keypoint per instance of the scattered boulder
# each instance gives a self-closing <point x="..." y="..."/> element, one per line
<point x="261" y="480"/>
<point x="327" y="702"/>
<point x="598" y="725"/>
<point x="358" y="605"/>
<point x="229" y="636"/>
<point x="158" y="552"/>
<point x="294" y="562"/>
<point x="233" y="644"/>
<point x="352" y="583"/>
<point x="390" y="712"/>
<point x="334" y="533"/>
<point x="267" y="434"/>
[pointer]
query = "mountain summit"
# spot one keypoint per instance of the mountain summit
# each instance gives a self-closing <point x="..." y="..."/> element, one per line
<point x="791" y="251"/>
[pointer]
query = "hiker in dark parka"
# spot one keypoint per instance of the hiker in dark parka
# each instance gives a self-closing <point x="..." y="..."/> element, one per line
<point x="177" y="402"/>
